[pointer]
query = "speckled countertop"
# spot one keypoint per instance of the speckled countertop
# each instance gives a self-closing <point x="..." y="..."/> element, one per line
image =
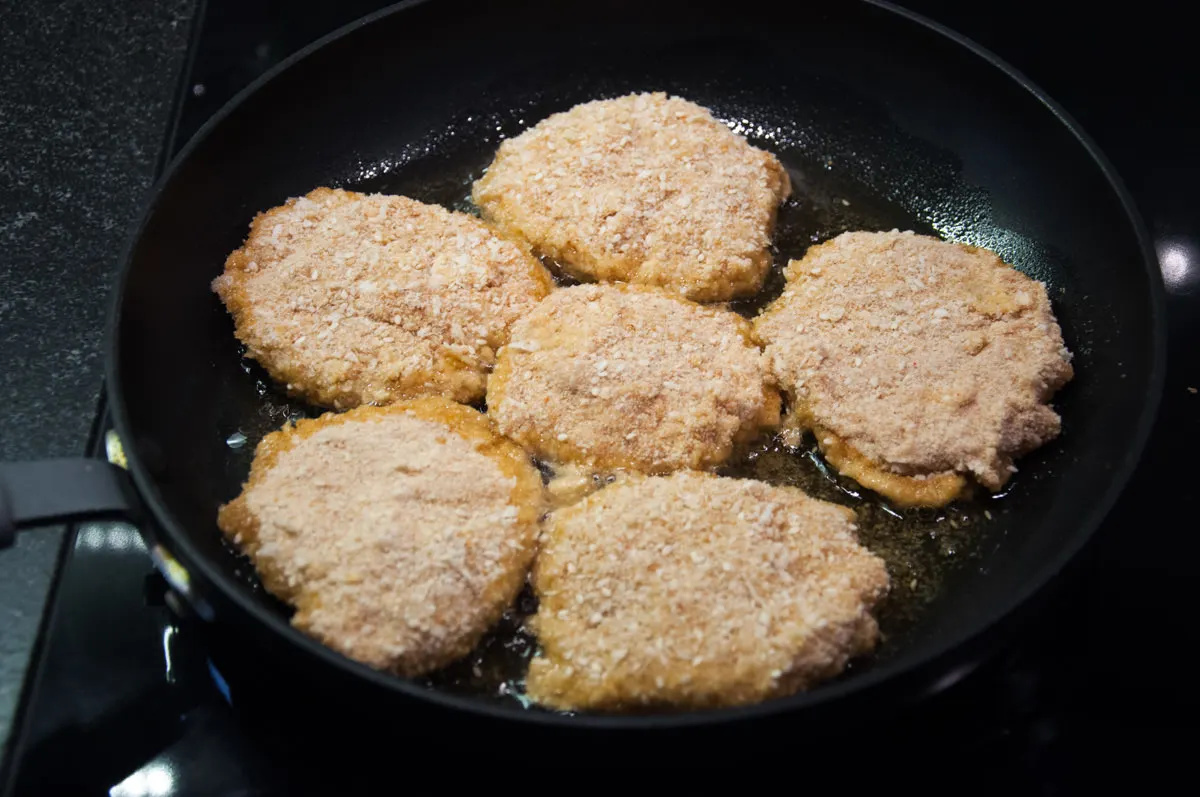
<point x="86" y="89"/>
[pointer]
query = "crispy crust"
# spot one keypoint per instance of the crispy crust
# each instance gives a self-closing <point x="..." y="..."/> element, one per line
<point x="644" y="188"/>
<point x="474" y="610"/>
<point x="934" y="490"/>
<point x="696" y="591"/>
<point x="917" y="362"/>
<point x="673" y="384"/>
<point x="348" y="299"/>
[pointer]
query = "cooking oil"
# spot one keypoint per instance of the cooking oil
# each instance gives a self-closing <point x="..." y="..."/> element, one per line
<point x="922" y="548"/>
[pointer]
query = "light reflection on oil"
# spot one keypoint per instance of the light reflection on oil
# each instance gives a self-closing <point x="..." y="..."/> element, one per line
<point x="168" y="636"/>
<point x="952" y="677"/>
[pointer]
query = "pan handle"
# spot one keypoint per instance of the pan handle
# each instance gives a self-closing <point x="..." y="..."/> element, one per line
<point x="52" y="491"/>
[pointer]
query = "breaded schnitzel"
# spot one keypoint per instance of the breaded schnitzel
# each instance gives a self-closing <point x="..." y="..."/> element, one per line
<point x="352" y="299"/>
<point x="644" y="188"/>
<point x="916" y="362"/>
<point x="697" y="591"/>
<point x="631" y="377"/>
<point x="400" y="534"/>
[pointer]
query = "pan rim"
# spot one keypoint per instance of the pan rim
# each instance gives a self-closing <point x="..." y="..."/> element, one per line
<point x="860" y="685"/>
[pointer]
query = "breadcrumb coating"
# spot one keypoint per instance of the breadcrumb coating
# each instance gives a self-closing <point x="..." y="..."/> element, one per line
<point x="349" y="299"/>
<point x="645" y="188"/>
<point x="631" y="377"/>
<point x="696" y="591"/>
<point x="400" y="534"/>
<point x="916" y="362"/>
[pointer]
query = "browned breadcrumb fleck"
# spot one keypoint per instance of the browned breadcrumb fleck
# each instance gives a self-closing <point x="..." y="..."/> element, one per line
<point x="399" y="533"/>
<point x="927" y="358"/>
<point x="353" y="299"/>
<point x="624" y="376"/>
<point x="644" y="188"/>
<point x="697" y="591"/>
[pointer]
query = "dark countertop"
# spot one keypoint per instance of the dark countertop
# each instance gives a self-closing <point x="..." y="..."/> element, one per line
<point x="86" y="89"/>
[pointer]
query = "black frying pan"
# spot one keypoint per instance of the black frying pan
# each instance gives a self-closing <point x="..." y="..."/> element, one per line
<point x="909" y="124"/>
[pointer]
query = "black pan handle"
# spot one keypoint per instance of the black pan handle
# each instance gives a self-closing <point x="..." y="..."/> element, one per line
<point x="53" y="491"/>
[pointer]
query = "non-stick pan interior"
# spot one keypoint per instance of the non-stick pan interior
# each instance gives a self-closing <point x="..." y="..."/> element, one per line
<point x="883" y="124"/>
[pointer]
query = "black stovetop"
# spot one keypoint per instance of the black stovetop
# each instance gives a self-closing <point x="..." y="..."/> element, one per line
<point x="127" y="699"/>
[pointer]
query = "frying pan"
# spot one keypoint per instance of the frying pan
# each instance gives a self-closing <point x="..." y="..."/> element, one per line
<point x="884" y="119"/>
